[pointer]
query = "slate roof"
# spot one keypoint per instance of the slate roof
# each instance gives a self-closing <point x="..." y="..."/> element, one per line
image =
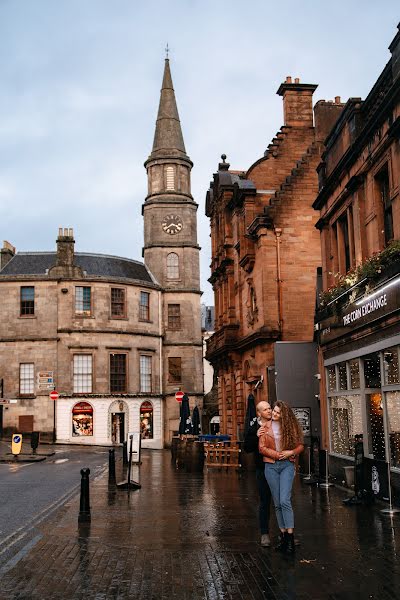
<point x="96" y="265"/>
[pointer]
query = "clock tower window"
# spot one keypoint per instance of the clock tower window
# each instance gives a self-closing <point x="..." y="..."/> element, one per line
<point x="172" y="266"/>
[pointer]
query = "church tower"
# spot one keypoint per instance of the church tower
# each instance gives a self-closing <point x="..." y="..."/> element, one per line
<point x="171" y="252"/>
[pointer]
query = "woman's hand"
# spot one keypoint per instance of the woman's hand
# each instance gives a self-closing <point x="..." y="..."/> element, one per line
<point x="262" y="430"/>
<point x="285" y="454"/>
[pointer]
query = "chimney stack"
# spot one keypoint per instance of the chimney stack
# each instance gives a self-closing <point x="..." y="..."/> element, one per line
<point x="297" y="102"/>
<point x="65" y="247"/>
<point x="6" y="254"/>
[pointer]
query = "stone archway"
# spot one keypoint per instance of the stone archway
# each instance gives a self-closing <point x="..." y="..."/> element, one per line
<point x="118" y="407"/>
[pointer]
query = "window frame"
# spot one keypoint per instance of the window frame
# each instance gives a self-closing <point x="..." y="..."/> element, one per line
<point x="149" y="360"/>
<point x="32" y="379"/>
<point x="144" y="307"/>
<point x="173" y="267"/>
<point x="174" y="321"/>
<point x="124" y="304"/>
<point x="175" y="381"/>
<point x="76" y="354"/>
<point x="30" y="314"/>
<point x="125" y="391"/>
<point x="84" y="314"/>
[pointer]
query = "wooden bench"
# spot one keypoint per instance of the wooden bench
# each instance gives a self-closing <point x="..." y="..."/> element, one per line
<point x="222" y="455"/>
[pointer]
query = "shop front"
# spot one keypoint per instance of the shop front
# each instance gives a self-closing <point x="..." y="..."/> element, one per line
<point x="360" y="347"/>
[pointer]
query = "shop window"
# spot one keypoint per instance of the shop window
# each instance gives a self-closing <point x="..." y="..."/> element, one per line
<point x="145" y="373"/>
<point x="331" y="377"/>
<point x="342" y="372"/>
<point x="172" y="266"/>
<point x="376" y="432"/>
<point x="372" y="370"/>
<point x="354" y="366"/>
<point x="382" y="182"/>
<point x="174" y="369"/>
<point x="393" y="413"/>
<point x="82" y="374"/>
<point x="118" y="373"/>
<point x="174" y="316"/>
<point x="83" y="301"/>
<point x="345" y="416"/>
<point x="146" y="421"/>
<point x="27" y="303"/>
<point x="82" y="419"/>
<point x="144" y="306"/>
<point x="26" y="379"/>
<point x="118" y="306"/>
<point x="391" y="365"/>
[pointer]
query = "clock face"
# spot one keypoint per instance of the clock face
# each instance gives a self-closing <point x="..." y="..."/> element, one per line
<point x="172" y="224"/>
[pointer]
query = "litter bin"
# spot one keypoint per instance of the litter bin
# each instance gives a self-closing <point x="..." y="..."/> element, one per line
<point x="349" y="476"/>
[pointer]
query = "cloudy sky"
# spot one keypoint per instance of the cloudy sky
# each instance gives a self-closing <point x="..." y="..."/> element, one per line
<point x="79" y="92"/>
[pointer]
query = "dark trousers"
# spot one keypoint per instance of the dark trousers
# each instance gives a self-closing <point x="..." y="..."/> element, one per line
<point x="265" y="500"/>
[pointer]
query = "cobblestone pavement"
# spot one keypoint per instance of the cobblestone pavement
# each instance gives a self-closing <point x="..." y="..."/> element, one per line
<point x="195" y="536"/>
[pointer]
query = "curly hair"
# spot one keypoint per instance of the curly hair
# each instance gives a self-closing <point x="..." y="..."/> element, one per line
<point x="292" y="433"/>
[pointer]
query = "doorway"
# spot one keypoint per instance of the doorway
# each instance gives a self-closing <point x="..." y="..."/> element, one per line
<point x="118" y="428"/>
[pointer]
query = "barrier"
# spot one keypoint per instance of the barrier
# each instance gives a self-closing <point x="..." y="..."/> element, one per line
<point x="222" y="454"/>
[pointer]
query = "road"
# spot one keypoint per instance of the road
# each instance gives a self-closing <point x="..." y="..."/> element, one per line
<point x="30" y="492"/>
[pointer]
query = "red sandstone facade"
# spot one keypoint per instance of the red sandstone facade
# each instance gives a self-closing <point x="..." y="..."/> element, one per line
<point x="265" y="253"/>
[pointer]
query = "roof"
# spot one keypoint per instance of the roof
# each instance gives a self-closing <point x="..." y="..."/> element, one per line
<point x="96" y="265"/>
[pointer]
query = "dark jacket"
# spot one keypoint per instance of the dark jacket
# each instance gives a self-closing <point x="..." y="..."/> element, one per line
<point x="250" y="444"/>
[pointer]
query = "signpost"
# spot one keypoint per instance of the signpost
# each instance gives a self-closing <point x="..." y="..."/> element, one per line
<point x="178" y="396"/>
<point x="16" y="444"/>
<point x="45" y="380"/>
<point x="136" y="445"/>
<point x="54" y="395"/>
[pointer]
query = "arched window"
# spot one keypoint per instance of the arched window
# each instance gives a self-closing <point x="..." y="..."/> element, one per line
<point x="146" y="421"/>
<point x="172" y="266"/>
<point x="82" y="419"/>
<point x="170" y="178"/>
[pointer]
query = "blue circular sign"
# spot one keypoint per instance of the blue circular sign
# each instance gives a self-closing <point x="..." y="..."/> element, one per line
<point x="17" y="439"/>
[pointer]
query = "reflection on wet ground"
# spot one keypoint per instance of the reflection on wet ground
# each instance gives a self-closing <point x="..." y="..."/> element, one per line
<point x="195" y="536"/>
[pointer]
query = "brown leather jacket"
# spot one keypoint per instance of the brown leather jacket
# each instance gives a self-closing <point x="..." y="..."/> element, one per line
<point x="266" y="447"/>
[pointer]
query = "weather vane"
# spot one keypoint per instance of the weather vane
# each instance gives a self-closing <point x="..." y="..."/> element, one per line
<point x="166" y="51"/>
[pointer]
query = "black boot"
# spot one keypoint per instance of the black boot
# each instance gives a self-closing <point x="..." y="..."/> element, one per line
<point x="283" y="541"/>
<point x="290" y="546"/>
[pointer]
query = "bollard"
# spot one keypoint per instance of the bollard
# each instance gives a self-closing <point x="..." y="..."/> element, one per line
<point x="125" y="453"/>
<point x="111" y="465"/>
<point x="84" y="505"/>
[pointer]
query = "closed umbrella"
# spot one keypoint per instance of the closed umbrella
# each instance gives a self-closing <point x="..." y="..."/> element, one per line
<point x="251" y="415"/>
<point x="185" y="422"/>
<point x="196" y="421"/>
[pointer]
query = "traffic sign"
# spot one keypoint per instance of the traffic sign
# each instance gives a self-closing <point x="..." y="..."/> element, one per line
<point x="16" y="443"/>
<point x="179" y="396"/>
<point x="8" y="401"/>
<point x="54" y="395"/>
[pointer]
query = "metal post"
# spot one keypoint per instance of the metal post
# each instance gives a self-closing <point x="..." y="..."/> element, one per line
<point x="125" y="453"/>
<point x="130" y="462"/>
<point x="309" y="476"/>
<point x="84" y="505"/>
<point x="390" y="511"/>
<point x="325" y="484"/>
<point x="111" y="466"/>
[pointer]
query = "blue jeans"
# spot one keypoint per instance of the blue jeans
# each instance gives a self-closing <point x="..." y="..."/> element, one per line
<point x="280" y="475"/>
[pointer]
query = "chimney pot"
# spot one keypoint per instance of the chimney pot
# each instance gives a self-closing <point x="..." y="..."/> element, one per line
<point x="60" y="232"/>
<point x="288" y="79"/>
<point x="337" y="99"/>
<point x="297" y="80"/>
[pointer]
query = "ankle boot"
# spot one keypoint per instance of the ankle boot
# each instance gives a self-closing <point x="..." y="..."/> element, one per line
<point x="282" y="544"/>
<point x="290" y="547"/>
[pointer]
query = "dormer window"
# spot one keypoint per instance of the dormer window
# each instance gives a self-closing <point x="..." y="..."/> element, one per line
<point x="170" y="175"/>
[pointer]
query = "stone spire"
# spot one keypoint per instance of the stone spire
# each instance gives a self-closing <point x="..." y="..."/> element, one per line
<point x="168" y="138"/>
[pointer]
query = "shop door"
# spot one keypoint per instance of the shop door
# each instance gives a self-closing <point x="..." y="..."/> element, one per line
<point x="118" y="428"/>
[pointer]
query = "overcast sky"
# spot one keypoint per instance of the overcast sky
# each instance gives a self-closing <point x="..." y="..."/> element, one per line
<point x="79" y="92"/>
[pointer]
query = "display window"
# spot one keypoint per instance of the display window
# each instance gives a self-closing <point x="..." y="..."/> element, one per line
<point x="82" y="419"/>
<point x="146" y="421"/>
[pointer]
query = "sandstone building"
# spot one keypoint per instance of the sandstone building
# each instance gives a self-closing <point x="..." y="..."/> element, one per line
<point x="358" y="319"/>
<point x="265" y="255"/>
<point x="116" y="337"/>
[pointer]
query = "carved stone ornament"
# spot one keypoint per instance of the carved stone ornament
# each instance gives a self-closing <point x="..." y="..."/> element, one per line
<point x="251" y="304"/>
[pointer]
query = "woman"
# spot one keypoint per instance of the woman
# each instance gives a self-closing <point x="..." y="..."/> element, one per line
<point x="279" y="445"/>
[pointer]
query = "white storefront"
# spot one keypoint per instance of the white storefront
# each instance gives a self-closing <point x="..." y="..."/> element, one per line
<point x="107" y="421"/>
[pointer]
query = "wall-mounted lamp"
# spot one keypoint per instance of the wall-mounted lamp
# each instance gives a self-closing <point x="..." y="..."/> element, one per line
<point x="317" y="375"/>
<point x="259" y="382"/>
<point x="64" y="290"/>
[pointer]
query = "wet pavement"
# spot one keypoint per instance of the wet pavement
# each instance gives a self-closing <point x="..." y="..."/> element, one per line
<point x="195" y="536"/>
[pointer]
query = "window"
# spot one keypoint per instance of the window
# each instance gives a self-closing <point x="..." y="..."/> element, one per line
<point x="82" y="374"/>
<point x="82" y="419"/>
<point x="174" y="316"/>
<point x="174" y="369"/>
<point x="354" y="374"/>
<point x="118" y="373"/>
<point x="391" y="366"/>
<point x="145" y="373"/>
<point x="27" y="301"/>
<point x="331" y="377"/>
<point x="172" y="266"/>
<point x="382" y="182"/>
<point x="83" y="301"/>
<point x="170" y="178"/>
<point x="342" y="372"/>
<point x="146" y="421"/>
<point x="393" y="412"/>
<point x="144" y="306"/>
<point x="345" y="415"/>
<point x="118" y="307"/>
<point x="372" y="370"/>
<point x="376" y="432"/>
<point x="26" y="379"/>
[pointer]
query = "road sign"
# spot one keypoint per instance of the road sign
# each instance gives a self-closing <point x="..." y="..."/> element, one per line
<point x="8" y="401"/>
<point x="179" y="396"/>
<point x="54" y="395"/>
<point x="45" y="380"/>
<point x="16" y="443"/>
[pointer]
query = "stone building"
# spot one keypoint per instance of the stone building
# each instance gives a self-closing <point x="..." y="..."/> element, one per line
<point x="358" y="319"/>
<point x="116" y="337"/>
<point x="265" y="255"/>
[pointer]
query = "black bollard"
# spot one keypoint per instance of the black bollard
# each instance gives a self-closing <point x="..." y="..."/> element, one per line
<point x="111" y="465"/>
<point x="125" y="453"/>
<point x="84" y="505"/>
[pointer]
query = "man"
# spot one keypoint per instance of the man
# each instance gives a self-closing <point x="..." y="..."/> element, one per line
<point x="257" y="428"/>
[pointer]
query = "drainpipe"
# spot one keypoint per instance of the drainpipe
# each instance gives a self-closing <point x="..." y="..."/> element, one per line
<point x="278" y="233"/>
<point x="160" y="322"/>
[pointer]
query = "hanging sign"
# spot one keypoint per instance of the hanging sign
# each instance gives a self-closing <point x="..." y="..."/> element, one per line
<point x="16" y="443"/>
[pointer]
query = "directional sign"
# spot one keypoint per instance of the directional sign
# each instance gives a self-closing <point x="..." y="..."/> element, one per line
<point x="45" y="380"/>
<point x="8" y="401"/>
<point x="179" y="396"/>
<point x="16" y="443"/>
<point x="54" y="395"/>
